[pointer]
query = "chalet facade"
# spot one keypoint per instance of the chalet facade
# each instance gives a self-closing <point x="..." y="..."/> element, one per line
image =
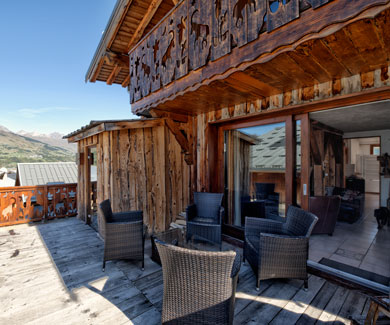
<point x="209" y="70"/>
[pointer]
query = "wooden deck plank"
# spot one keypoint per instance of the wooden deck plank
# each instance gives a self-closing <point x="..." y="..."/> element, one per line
<point x="313" y="311"/>
<point x="352" y="307"/>
<point x="300" y="303"/>
<point x="332" y="309"/>
<point x="57" y="278"/>
<point x="263" y="308"/>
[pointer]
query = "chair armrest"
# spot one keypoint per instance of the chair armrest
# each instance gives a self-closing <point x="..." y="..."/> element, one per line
<point x="236" y="265"/>
<point x="191" y="212"/>
<point x="221" y="215"/>
<point x="254" y="226"/>
<point x="129" y="216"/>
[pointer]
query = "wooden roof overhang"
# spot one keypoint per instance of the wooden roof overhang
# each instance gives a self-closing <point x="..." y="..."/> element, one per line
<point x="326" y="40"/>
<point x="96" y="127"/>
<point x="129" y="22"/>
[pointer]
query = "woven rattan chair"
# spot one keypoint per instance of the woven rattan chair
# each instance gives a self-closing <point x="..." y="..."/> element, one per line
<point x="279" y="250"/>
<point x="204" y="216"/>
<point x="199" y="286"/>
<point x="124" y="234"/>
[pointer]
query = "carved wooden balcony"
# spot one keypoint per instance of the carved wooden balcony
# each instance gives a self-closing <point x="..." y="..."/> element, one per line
<point x="202" y="43"/>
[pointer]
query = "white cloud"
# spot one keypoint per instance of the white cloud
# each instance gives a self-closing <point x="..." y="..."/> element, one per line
<point x="34" y="112"/>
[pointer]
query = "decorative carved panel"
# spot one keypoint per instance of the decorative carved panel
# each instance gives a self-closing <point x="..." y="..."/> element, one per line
<point x="181" y="42"/>
<point x="167" y="45"/>
<point x="220" y="29"/>
<point x="257" y="10"/>
<point x="239" y="21"/>
<point x="283" y="14"/>
<point x="198" y="31"/>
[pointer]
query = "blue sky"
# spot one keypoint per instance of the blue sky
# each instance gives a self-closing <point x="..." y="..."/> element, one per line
<point x="46" y="48"/>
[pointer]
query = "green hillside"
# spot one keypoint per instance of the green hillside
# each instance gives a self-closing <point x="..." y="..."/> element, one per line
<point x="19" y="149"/>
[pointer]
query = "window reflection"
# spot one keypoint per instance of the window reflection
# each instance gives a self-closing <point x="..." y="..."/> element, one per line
<point x="255" y="160"/>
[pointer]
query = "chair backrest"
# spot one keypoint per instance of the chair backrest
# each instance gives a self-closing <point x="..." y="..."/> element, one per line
<point x="208" y="204"/>
<point x="105" y="206"/>
<point x="197" y="285"/>
<point x="299" y="222"/>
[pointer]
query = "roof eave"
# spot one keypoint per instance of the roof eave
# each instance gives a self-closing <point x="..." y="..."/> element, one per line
<point x="116" y="15"/>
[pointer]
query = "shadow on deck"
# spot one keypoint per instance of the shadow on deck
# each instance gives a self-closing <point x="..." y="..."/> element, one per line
<point x="68" y="286"/>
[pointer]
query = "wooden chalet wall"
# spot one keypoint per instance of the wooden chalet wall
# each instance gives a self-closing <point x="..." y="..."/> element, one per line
<point x="140" y="169"/>
<point x="360" y="88"/>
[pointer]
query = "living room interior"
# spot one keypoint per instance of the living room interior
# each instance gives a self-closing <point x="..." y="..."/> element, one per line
<point x="354" y="239"/>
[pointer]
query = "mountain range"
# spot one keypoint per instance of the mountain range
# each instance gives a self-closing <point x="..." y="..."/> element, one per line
<point x="33" y="147"/>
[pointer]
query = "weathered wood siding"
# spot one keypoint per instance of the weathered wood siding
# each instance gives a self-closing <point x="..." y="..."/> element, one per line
<point x="280" y="104"/>
<point x="141" y="169"/>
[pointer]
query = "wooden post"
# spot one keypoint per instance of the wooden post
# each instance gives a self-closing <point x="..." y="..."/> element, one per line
<point x="290" y="161"/>
<point x="305" y="161"/>
<point x="87" y="184"/>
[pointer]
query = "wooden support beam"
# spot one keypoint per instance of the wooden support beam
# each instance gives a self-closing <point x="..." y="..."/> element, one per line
<point x="117" y="59"/>
<point x="173" y="116"/>
<point x="185" y="144"/>
<point x="126" y="82"/>
<point x="175" y="2"/>
<point x="144" y="23"/>
<point x="329" y="129"/>
<point x="305" y="161"/>
<point x="291" y="155"/>
<point x="178" y="134"/>
<point x="113" y="75"/>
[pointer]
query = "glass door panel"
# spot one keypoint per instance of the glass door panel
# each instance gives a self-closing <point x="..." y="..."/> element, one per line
<point x="255" y="159"/>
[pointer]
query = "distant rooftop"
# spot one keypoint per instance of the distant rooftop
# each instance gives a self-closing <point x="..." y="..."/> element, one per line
<point x="269" y="154"/>
<point x="32" y="174"/>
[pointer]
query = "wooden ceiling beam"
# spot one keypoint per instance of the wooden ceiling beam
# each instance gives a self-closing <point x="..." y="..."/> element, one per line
<point x="126" y="82"/>
<point x="144" y="23"/>
<point x="97" y="71"/>
<point x="173" y="116"/>
<point x="175" y="2"/>
<point x="113" y="75"/>
<point x="255" y="85"/>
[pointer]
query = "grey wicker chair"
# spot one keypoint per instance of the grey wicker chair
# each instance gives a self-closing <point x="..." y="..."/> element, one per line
<point x="199" y="286"/>
<point x="279" y="250"/>
<point x="204" y="217"/>
<point x="124" y="234"/>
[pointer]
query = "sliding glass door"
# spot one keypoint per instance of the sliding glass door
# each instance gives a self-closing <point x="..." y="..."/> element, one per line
<point x="255" y="173"/>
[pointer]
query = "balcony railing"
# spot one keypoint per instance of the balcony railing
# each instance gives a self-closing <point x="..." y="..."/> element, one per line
<point x="35" y="203"/>
<point x="196" y="32"/>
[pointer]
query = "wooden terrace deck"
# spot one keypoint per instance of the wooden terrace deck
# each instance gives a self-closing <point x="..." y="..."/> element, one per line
<point x="51" y="273"/>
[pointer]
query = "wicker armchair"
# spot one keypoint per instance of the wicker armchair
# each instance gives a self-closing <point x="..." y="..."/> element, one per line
<point x="199" y="286"/>
<point x="279" y="250"/>
<point x="124" y="234"/>
<point x="204" y="216"/>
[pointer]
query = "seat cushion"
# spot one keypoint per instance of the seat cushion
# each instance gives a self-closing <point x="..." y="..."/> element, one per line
<point x="204" y="220"/>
